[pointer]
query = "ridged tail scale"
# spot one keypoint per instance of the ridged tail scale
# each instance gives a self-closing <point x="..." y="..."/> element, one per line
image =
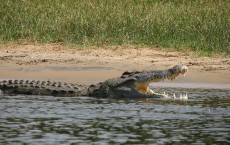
<point x="35" y="87"/>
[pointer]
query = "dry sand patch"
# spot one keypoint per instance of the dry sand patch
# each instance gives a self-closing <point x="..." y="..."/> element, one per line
<point x="91" y="65"/>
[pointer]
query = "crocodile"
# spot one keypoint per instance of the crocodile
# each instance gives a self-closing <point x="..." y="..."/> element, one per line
<point x="132" y="84"/>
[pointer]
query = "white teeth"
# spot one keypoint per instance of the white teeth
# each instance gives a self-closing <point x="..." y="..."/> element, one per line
<point x="180" y="97"/>
<point x="183" y="96"/>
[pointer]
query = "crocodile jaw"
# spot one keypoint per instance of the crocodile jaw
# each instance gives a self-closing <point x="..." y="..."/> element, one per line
<point x="143" y="87"/>
<point x="176" y="71"/>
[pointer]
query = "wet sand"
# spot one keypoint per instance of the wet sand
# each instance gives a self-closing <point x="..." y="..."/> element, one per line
<point x="92" y="65"/>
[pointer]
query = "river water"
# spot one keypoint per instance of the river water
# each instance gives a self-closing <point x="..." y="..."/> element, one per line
<point x="202" y="119"/>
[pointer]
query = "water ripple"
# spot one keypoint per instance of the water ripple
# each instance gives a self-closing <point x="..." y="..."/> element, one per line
<point x="203" y="119"/>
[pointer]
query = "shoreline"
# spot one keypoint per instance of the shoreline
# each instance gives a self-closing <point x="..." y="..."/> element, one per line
<point x="61" y="63"/>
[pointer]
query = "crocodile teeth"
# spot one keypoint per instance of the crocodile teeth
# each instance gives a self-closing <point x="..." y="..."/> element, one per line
<point x="174" y="96"/>
<point x="183" y="96"/>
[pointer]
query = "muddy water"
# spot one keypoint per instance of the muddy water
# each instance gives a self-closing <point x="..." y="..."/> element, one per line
<point x="203" y="119"/>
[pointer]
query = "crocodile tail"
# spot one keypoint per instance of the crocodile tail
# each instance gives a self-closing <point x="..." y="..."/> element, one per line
<point x="35" y="87"/>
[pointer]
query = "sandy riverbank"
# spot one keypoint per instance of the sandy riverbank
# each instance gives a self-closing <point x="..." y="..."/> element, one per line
<point x="86" y="66"/>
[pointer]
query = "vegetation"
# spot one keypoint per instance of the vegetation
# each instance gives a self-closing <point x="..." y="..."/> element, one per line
<point x="200" y="25"/>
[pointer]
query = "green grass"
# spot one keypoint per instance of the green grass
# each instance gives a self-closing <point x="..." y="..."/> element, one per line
<point x="199" y="25"/>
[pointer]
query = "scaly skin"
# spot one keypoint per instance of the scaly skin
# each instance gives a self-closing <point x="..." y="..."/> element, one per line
<point x="35" y="87"/>
<point x="130" y="84"/>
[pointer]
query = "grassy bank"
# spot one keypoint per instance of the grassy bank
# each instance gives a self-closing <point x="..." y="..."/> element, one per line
<point x="200" y="25"/>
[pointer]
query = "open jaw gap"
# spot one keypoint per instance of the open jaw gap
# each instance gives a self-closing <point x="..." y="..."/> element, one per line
<point x="164" y="95"/>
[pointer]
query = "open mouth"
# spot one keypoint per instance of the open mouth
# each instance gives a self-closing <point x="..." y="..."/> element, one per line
<point x="171" y="77"/>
